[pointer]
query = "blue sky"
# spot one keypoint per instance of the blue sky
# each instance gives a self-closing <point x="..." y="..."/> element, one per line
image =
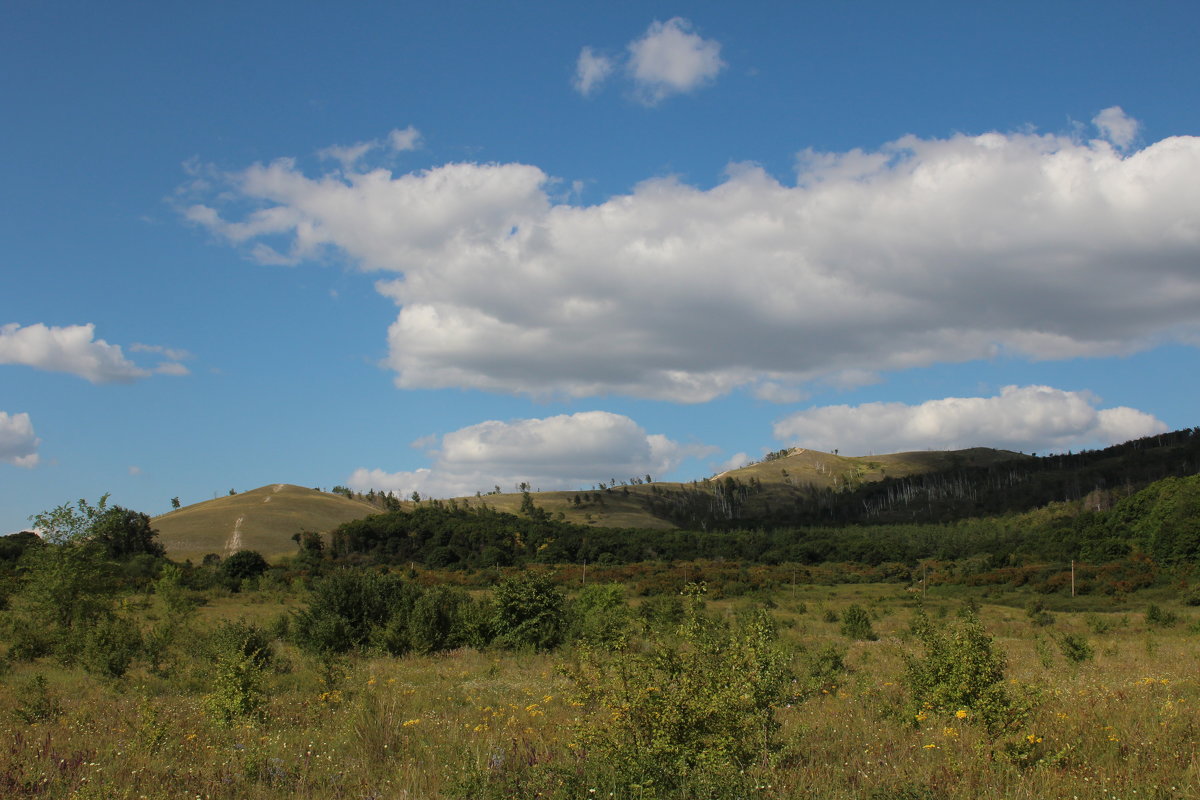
<point x="448" y="247"/>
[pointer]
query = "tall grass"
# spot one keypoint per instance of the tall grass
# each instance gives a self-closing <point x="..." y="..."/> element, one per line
<point x="509" y="724"/>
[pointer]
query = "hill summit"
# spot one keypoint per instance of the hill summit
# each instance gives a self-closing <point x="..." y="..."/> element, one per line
<point x="263" y="519"/>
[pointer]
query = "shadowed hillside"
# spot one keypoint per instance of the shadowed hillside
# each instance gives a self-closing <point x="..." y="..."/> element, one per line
<point x="758" y="490"/>
<point x="263" y="519"/>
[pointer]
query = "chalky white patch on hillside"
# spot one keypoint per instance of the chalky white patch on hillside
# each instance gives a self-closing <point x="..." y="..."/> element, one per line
<point x="234" y="543"/>
<point x="924" y="251"/>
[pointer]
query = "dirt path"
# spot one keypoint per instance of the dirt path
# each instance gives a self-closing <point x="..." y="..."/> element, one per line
<point x="234" y="543"/>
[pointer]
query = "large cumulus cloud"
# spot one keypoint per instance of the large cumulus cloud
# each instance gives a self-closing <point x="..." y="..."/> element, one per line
<point x="923" y="251"/>
<point x="1019" y="418"/>
<point x="567" y="451"/>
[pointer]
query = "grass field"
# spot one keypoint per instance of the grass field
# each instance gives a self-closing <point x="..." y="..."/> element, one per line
<point x="1121" y="723"/>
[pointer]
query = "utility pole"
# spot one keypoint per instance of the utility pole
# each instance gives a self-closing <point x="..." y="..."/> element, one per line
<point x="1072" y="577"/>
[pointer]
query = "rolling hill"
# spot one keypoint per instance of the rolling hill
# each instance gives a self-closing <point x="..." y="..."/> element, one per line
<point x="264" y="519"/>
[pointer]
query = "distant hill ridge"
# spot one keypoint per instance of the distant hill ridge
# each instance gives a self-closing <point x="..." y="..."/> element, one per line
<point x="265" y="519"/>
<point x="792" y="487"/>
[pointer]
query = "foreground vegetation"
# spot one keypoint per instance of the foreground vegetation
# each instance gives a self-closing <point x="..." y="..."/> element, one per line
<point x="321" y="682"/>
<point x="455" y="651"/>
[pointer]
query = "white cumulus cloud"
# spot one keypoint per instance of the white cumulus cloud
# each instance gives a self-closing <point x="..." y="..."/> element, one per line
<point x="567" y="451"/>
<point x="1116" y="126"/>
<point x="1029" y="418"/>
<point x="18" y="445"/>
<point x="925" y="251"/>
<point x="591" y="70"/>
<point x="670" y="58"/>
<point x="76" y="350"/>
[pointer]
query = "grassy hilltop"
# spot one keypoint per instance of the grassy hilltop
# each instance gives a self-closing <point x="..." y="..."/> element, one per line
<point x="264" y="519"/>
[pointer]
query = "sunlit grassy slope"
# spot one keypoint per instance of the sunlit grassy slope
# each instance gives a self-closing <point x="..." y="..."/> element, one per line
<point x="263" y="519"/>
<point x="271" y="515"/>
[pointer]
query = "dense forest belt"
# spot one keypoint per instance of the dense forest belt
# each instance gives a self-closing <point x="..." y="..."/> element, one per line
<point x="960" y="491"/>
<point x="1161" y="521"/>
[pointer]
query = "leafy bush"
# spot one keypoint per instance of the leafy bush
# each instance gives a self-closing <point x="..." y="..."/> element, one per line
<point x="960" y="669"/>
<point x="237" y="690"/>
<point x="822" y="669"/>
<point x="433" y="624"/>
<point x="244" y="564"/>
<point x="110" y="646"/>
<point x="35" y="702"/>
<point x="1075" y="648"/>
<point x="242" y="638"/>
<point x="1160" y="617"/>
<point x="530" y="612"/>
<point x="856" y="624"/>
<point x="660" y="613"/>
<point x="599" y="616"/>
<point x="350" y="608"/>
<point x="1037" y="613"/>
<point x="689" y="716"/>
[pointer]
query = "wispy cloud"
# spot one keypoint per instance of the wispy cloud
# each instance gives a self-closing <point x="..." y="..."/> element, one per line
<point x="591" y="70"/>
<point x="349" y="156"/>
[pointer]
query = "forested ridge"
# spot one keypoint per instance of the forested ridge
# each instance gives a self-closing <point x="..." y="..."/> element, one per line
<point x="1140" y="497"/>
<point x="959" y="491"/>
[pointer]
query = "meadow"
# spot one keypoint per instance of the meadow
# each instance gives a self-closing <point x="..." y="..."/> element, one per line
<point x="791" y="691"/>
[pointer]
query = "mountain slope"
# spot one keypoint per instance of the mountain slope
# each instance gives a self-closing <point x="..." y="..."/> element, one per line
<point x="263" y="519"/>
<point x="756" y="490"/>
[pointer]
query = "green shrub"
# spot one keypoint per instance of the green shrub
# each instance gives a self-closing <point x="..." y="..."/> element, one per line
<point x="856" y="624"/>
<point x="243" y="565"/>
<point x="1075" y="648"/>
<point x="432" y="623"/>
<point x="660" y="613"/>
<point x="599" y="616"/>
<point x="1037" y="613"/>
<point x="242" y="638"/>
<point x="530" y="612"/>
<point x="110" y="645"/>
<point x="1160" y="617"/>
<point x="823" y="669"/>
<point x="687" y="716"/>
<point x="350" y="608"/>
<point x="960" y="669"/>
<point x="236" y="688"/>
<point x="35" y="702"/>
